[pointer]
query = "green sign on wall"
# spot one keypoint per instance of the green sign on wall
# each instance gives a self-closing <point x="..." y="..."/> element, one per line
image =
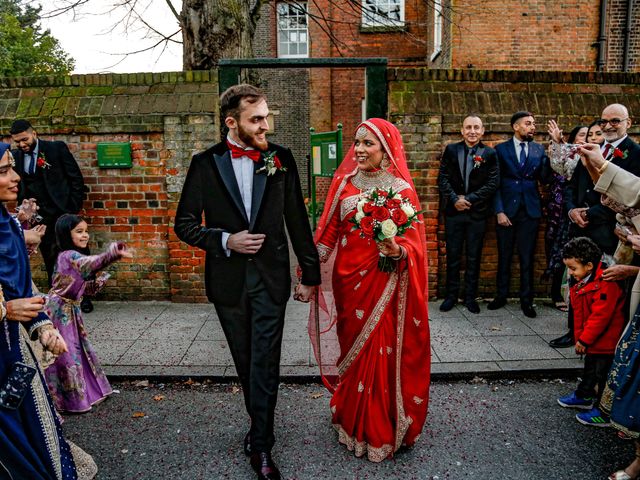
<point x="114" y="154"/>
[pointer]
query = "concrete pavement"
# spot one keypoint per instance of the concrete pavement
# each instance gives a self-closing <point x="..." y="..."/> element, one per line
<point x="163" y="339"/>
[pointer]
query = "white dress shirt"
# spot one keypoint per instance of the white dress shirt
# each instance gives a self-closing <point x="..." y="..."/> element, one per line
<point x="243" y="168"/>
<point x="517" y="143"/>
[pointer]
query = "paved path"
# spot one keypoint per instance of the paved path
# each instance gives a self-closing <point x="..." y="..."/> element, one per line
<point x="149" y="339"/>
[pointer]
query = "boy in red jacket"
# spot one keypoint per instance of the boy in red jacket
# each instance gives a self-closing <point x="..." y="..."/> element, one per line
<point x="598" y="316"/>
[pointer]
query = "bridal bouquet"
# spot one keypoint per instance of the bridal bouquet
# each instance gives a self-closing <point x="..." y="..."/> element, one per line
<point x="383" y="214"/>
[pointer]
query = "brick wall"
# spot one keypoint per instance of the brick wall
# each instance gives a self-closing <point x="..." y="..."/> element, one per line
<point x="429" y="105"/>
<point x="534" y="35"/>
<point x="166" y="118"/>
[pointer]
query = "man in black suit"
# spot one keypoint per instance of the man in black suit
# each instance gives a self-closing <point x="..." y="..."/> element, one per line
<point x="248" y="189"/>
<point x="51" y="176"/>
<point x="468" y="181"/>
<point x="588" y="216"/>
<point x="522" y="163"/>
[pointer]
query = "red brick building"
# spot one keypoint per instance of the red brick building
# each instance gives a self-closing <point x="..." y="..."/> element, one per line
<point x="573" y="35"/>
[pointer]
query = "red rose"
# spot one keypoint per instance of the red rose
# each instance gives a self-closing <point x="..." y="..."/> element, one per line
<point x="368" y="207"/>
<point x="399" y="217"/>
<point x="392" y="203"/>
<point x="40" y="162"/>
<point x="366" y="225"/>
<point x="383" y="193"/>
<point x="618" y="153"/>
<point x="380" y="214"/>
<point x="276" y="162"/>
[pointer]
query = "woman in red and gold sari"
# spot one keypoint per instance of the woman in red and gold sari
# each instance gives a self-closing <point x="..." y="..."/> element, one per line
<point x="370" y="328"/>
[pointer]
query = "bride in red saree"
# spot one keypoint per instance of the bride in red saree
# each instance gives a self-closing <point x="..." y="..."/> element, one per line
<point x="370" y="329"/>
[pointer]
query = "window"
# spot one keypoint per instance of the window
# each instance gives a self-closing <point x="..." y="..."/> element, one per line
<point x="293" y="33"/>
<point x="382" y="13"/>
<point x="437" y="28"/>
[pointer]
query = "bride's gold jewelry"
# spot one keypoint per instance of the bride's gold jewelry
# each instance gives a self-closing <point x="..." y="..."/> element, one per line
<point x="361" y="133"/>
<point x="385" y="163"/>
<point x="364" y="180"/>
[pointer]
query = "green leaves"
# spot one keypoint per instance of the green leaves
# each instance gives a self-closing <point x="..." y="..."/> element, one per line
<point x="25" y="49"/>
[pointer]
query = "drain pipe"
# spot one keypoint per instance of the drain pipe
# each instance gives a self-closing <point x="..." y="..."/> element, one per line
<point x="602" y="36"/>
<point x="627" y="36"/>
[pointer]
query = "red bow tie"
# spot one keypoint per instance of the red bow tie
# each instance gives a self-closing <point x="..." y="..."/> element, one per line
<point x="237" y="152"/>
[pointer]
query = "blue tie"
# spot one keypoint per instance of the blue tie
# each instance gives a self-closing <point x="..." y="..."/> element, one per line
<point x="32" y="164"/>
<point x="523" y="154"/>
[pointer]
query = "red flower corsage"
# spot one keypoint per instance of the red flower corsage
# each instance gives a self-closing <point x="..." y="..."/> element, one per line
<point x="617" y="153"/>
<point x="41" y="162"/>
<point x="477" y="161"/>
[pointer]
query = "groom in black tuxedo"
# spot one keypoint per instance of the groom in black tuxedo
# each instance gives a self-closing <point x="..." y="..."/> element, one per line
<point x="468" y="180"/>
<point x="248" y="189"/>
<point x="51" y="175"/>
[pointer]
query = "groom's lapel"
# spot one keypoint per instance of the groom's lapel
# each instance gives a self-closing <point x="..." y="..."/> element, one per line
<point x="225" y="168"/>
<point x="259" y="185"/>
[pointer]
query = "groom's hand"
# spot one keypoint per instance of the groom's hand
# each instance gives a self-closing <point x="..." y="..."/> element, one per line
<point x="245" y="242"/>
<point x="303" y="293"/>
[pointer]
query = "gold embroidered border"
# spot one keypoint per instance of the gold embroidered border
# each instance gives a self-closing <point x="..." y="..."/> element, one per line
<point x="336" y="197"/>
<point x="370" y="324"/>
<point x="374" y="454"/>
<point x="44" y="411"/>
<point x="403" y="422"/>
<point x="324" y="252"/>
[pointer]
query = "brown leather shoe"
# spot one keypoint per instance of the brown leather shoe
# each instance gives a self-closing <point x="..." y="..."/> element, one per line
<point x="263" y="465"/>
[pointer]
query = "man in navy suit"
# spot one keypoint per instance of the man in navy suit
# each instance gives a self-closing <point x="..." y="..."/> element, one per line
<point x="468" y="181"/>
<point x="522" y="163"/>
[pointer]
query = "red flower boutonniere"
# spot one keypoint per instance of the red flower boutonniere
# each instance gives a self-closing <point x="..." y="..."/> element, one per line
<point x="617" y="153"/>
<point x="477" y="161"/>
<point x="272" y="164"/>
<point x="41" y="162"/>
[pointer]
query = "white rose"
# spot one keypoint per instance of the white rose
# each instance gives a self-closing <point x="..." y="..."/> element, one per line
<point x="408" y="210"/>
<point x="397" y="196"/>
<point x="360" y="205"/>
<point x="388" y="228"/>
<point x="359" y="216"/>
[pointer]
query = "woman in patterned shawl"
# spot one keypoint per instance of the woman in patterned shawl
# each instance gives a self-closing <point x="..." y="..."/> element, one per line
<point x="31" y="442"/>
<point x="370" y="328"/>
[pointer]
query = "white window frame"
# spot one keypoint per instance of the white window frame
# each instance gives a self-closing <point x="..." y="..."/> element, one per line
<point x="302" y="8"/>
<point x="370" y="19"/>
<point x="438" y="21"/>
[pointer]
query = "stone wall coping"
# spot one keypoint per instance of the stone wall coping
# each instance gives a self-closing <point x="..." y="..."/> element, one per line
<point x="516" y="76"/>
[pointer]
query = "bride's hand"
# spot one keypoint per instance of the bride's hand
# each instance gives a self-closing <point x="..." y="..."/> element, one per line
<point x="389" y="247"/>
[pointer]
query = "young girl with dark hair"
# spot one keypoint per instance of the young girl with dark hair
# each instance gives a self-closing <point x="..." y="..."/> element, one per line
<point x="76" y="380"/>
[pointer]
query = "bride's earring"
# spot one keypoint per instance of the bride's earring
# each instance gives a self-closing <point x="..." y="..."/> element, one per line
<point x="385" y="163"/>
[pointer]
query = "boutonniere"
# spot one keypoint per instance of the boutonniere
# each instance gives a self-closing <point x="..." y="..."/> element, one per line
<point x="272" y="164"/>
<point x="477" y="161"/>
<point x="41" y="162"/>
<point x="617" y="153"/>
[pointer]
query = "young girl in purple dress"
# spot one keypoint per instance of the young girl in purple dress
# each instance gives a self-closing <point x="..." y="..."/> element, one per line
<point x="76" y="379"/>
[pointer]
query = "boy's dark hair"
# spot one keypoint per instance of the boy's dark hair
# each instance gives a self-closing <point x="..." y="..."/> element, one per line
<point x="64" y="225"/>
<point x="20" y="126"/>
<point x="232" y="97"/>
<point x="583" y="249"/>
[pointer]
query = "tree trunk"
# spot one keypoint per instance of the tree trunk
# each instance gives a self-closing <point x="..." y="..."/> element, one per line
<point x="215" y="29"/>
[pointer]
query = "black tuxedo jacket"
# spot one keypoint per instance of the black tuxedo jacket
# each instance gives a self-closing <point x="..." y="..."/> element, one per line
<point x="483" y="180"/>
<point x="580" y="193"/>
<point x="211" y="188"/>
<point x="62" y="178"/>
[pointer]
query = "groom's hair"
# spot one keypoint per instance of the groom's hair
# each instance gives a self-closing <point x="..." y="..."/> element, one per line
<point x="231" y="99"/>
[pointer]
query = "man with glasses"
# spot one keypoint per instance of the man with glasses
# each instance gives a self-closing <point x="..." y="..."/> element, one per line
<point x="588" y="216"/>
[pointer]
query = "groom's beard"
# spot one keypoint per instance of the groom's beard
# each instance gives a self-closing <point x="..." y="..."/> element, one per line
<point x="250" y="140"/>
